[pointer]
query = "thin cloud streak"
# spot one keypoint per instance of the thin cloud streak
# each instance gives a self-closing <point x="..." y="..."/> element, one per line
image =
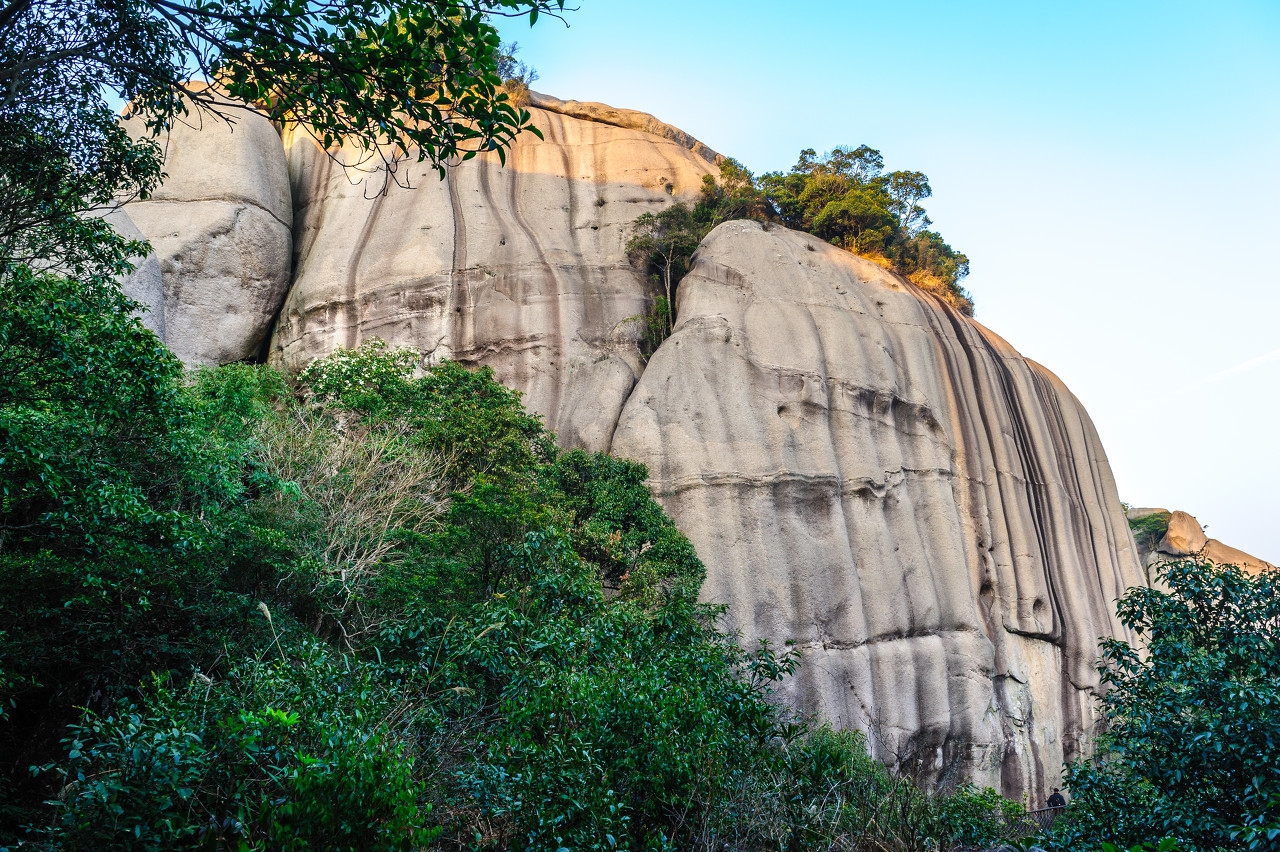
<point x="1242" y="367"/>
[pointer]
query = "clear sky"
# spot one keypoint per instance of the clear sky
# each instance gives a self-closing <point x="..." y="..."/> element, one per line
<point x="1110" y="168"/>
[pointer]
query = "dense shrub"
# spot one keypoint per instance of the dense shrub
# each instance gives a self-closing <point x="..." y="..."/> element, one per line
<point x="1150" y="529"/>
<point x="383" y="611"/>
<point x="1192" y="748"/>
<point x="296" y="754"/>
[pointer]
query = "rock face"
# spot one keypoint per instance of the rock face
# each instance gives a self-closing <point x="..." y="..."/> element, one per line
<point x="145" y="284"/>
<point x="927" y="516"/>
<point x="220" y="226"/>
<point x="522" y="268"/>
<point x="1184" y="536"/>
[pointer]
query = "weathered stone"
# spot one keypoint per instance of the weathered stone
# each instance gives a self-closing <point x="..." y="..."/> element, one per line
<point x="521" y="267"/>
<point x="220" y="226"/>
<point x="889" y="488"/>
<point x="1216" y="551"/>
<point x="1184" y="537"/>
<point x="1137" y="514"/>
<point x="145" y="284"/>
<point x="629" y="119"/>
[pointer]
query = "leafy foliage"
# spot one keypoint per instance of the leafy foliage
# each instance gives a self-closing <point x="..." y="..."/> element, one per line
<point x="1149" y="530"/>
<point x="397" y="612"/>
<point x="845" y="197"/>
<point x="304" y="754"/>
<point x="1194" y="718"/>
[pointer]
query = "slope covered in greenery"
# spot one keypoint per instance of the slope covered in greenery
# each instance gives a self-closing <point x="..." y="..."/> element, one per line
<point x="370" y="607"/>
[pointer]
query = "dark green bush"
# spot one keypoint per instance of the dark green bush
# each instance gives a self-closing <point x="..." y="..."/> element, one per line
<point x="297" y="754"/>
<point x="1148" y="531"/>
<point x="1192" y="746"/>
<point x="410" y="616"/>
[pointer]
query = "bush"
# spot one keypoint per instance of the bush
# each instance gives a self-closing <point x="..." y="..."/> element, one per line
<point x="1191" y="751"/>
<point x="295" y="754"/>
<point x="410" y="617"/>
<point x="1148" y="531"/>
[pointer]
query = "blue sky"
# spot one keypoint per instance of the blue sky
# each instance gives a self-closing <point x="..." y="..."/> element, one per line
<point x="1110" y="169"/>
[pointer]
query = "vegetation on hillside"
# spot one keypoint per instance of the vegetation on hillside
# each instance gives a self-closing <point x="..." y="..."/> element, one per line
<point x="844" y="197"/>
<point x="1149" y="530"/>
<point x="1191" y="746"/>
<point x="374" y="608"/>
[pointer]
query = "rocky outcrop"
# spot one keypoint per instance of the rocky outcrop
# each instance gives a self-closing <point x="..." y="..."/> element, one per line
<point x="220" y="226"/>
<point x="1183" y="537"/>
<point x="628" y="119"/>
<point x="889" y="488"/>
<point x="927" y="517"/>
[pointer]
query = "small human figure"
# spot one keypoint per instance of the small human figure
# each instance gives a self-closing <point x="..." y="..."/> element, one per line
<point x="1056" y="800"/>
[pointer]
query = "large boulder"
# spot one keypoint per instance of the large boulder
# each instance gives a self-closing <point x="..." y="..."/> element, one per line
<point x="220" y="225"/>
<point x="145" y="284"/>
<point x="888" y="488"/>
<point x="1184" y="538"/>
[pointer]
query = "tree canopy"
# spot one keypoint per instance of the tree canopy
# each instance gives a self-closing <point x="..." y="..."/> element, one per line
<point x="392" y="78"/>
<point x="1192" y="719"/>
<point x="845" y="197"/>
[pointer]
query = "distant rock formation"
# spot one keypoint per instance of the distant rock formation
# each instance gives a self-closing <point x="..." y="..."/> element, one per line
<point x="1184" y="537"/>
<point x="870" y="477"/>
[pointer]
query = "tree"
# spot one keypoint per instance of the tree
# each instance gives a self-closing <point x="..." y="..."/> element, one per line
<point x="665" y="242"/>
<point x="393" y="78"/>
<point x="846" y="198"/>
<point x="908" y="189"/>
<point x="1192" y="749"/>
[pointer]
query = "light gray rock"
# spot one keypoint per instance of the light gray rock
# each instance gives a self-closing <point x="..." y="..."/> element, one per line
<point x="629" y="119"/>
<point x="145" y="284"/>
<point x="889" y="488"/>
<point x="1136" y="514"/>
<point x="220" y="226"/>
<point x="928" y="517"/>
<point x="521" y="267"/>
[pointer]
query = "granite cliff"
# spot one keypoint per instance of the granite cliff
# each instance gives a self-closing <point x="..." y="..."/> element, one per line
<point x="870" y="477"/>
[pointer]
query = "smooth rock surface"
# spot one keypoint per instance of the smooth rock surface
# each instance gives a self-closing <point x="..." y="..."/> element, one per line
<point x="1222" y="554"/>
<point x="1136" y="513"/>
<point x="145" y="284"/>
<point x="891" y="489"/>
<point x="629" y="119"/>
<point x="522" y="268"/>
<point x="220" y="227"/>
<point x="1184" y="537"/>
